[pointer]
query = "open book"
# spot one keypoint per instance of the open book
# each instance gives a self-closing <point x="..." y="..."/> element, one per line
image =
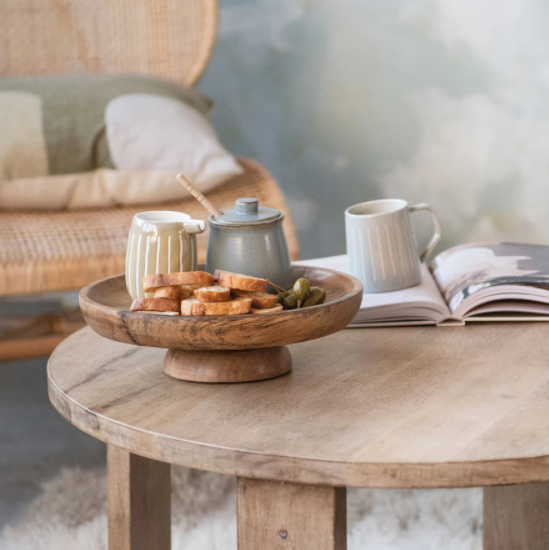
<point x="469" y="282"/>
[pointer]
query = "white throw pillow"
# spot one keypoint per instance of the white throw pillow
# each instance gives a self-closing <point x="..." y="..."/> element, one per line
<point x="151" y="132"/>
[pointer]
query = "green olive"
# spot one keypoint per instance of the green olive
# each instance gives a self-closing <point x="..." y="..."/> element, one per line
<point x="317" y="296"/>
<point x="290" y="301"/>
<point x="301" y="290"/>
<point x="282" y="295"/>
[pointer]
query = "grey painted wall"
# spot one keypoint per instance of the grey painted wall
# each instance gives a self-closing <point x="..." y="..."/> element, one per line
<point x="442" y="101"/>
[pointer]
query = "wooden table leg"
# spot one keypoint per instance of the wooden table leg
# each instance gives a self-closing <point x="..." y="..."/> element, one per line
<point x="139" y="499"/>
<point x="516" y="517"/>
<point x="276" y="515"/>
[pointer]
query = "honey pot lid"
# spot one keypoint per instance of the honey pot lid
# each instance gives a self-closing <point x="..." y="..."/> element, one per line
<point x="247" y="212"/>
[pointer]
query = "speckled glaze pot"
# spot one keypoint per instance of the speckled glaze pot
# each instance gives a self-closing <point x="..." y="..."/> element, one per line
<point x="249" y="239"/>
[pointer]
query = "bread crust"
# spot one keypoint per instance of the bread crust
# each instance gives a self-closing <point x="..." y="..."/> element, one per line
<point x="173" y="292"/>
<point x="267" y="310"/>
<point x="260" y="300"/>
<point x="240" y="282"/>
<point x="182" y="278"/>
<point x="237" y="306"/>
<point x="213" y="294"/>
<point x="155" y="304"/>
<point x="193" y="307"/>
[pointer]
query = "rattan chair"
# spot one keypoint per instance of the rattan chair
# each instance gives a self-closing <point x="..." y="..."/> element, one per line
<point x="65" y="250"/>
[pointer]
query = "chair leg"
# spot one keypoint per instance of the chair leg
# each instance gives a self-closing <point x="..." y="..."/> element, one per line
<point x="139" y="501"/>
<point x="516" y="517"/>
<point x="276" y="515"/>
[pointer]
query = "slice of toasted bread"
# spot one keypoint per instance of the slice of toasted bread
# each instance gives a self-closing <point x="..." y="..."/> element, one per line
<point x="193" y="306"/>
<point x="213" y="294"/>
<point x="155" y="304"/>
<point x="183" y="278"/>
<point x="260" y="300"/>
<point x="237" y="306"/>
<point x="267" y="310"/>
<point x="191" y="288"/>
<point x="175" y="292"/>
<point x="240" y="282"/>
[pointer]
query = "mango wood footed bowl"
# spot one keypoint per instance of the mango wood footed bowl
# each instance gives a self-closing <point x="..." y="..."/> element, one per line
<point x="232" y="348"/>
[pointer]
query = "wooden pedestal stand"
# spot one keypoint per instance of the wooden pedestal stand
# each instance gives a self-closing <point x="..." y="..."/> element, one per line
<point x="232" y="348"/>
<point x="228" y="366"/>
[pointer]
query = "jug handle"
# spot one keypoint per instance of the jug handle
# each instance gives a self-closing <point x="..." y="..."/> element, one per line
<point x="194" y="226"/>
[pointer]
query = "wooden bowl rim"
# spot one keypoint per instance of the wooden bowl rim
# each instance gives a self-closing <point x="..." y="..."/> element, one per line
<point x="357" y="288"/>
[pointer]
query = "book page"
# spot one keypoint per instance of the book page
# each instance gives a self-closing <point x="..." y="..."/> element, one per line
<point x="465" y="270"/>
<point x="520" y="309"/>
<point x="418" y="303"/>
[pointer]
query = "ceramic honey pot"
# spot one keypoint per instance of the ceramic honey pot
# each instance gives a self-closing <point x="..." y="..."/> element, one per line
<point x="250" y="239"/>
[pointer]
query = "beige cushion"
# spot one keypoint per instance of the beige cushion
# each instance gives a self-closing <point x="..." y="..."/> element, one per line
<point x="98" y="189"/>
<point x="22" y="142"/>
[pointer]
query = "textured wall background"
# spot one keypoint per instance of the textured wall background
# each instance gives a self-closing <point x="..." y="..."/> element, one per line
<point x="444" y="101"/>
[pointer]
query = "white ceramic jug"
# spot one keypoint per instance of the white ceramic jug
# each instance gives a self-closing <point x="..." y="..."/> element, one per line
<point x="160" y="242"/>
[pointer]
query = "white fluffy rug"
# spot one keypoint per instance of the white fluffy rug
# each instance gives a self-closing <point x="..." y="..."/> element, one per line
<point x="71" y="514"/>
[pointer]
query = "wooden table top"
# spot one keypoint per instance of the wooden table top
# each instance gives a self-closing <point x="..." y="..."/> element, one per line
<point x="395" y="407"/>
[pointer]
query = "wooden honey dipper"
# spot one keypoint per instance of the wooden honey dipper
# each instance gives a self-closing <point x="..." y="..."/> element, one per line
<point x="198" y="196"/>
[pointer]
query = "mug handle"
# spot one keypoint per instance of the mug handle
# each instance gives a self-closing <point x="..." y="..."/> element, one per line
<point x="438" y="229"/>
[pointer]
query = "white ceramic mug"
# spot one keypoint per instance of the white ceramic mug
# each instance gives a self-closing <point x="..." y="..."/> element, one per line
<point x="382" y="246"/>
<point x="160" y="242"/>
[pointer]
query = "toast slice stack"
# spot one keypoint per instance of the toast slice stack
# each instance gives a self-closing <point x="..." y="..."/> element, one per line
<point x="197" y="293"/>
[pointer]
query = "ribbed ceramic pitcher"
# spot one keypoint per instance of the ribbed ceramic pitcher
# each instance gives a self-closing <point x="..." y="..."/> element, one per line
<point x="160" y="242"/>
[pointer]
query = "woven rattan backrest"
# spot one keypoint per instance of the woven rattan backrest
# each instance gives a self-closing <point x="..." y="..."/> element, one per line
<point x="168" y="38"/>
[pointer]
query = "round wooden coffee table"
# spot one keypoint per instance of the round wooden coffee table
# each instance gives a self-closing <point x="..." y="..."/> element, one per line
<point x="408" y="407"/>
